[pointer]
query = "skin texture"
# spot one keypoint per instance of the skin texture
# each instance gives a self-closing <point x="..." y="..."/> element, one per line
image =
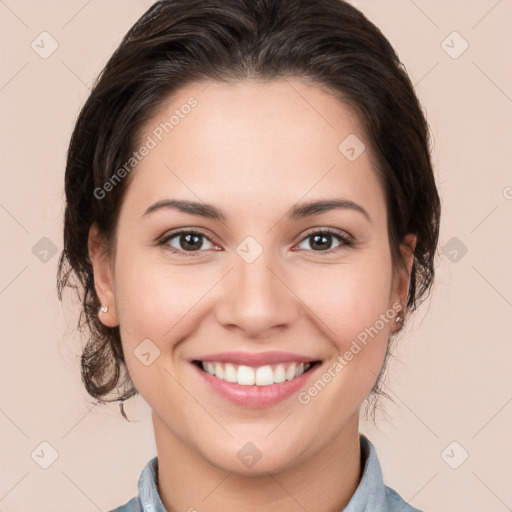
<point x="253" y="150"/>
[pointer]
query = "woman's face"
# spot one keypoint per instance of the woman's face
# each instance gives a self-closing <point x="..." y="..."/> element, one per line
<point x="269" y="276"/>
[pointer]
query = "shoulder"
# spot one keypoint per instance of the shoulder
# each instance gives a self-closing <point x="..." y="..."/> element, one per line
<point x="396" y="503"/>
<point x="372" y="493"/>
<point x="133" y="505"/>
<point x="147" y="497"/>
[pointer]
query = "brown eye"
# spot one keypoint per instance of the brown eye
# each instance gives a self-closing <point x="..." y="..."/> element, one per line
<point x="187" y="242"/>
<point x="321" y="241"/>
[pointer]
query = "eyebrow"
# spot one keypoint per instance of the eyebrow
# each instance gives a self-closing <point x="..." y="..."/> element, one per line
<point x="295" y="213"/>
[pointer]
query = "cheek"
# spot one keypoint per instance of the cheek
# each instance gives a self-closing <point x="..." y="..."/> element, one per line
<point x="152" y="303"/>
<point x="156" y="301"/>
<point x="348" y="298"/>
<point x="356" y="316"/>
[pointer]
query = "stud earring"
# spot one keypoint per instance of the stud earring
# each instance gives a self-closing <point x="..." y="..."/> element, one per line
<point x="399" y="319"/>
<point x="104" y="309"/>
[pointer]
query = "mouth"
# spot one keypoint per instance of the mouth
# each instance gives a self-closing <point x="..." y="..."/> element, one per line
<point x="255" y="379"/>
<point x="265" y="375"/>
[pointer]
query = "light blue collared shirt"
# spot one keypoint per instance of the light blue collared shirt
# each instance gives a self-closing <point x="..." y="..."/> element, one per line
<point x="371" y="495"/>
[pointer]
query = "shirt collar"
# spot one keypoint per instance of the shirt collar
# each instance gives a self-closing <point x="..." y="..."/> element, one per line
<point x="148" y="488"/>
<point x="370" y="493"/>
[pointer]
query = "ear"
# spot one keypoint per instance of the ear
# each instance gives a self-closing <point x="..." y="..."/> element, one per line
<point x="103" y="276"/>
<point x="402" y="275"/>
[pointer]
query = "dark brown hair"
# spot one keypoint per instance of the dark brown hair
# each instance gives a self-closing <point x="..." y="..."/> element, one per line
<point x="178" y="42"/>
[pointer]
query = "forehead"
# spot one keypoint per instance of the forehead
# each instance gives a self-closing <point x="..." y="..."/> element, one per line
<point x="255" y="143"/>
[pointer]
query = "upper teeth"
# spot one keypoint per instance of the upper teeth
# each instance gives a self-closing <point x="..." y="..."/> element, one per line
<point x="261" y="376"/>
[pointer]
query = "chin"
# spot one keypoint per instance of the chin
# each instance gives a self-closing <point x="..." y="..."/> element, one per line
<point x="253" y="458"/>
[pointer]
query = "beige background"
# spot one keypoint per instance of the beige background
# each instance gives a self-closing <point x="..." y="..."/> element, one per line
<point x="451" y="380"/>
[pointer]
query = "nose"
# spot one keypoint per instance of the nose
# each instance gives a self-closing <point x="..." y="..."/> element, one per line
<point x="256" y="298"/>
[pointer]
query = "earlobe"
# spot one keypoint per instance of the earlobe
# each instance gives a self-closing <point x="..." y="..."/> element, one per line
<point x="103" y="279"/>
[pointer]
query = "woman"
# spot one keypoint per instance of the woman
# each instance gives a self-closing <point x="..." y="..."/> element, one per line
<point x="252" y="215"/>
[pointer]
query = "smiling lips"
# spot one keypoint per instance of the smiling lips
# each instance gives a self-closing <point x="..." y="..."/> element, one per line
<point x="261" y="376"/>
<point x="260" y="369"/>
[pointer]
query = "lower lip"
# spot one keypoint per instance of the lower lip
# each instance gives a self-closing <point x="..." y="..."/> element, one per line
<point x="256" y="396"/>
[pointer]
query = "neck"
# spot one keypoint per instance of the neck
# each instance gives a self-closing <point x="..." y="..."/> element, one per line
<point x="325" y="482"/>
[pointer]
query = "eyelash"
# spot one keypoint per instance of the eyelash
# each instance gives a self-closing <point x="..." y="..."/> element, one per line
<point x="345" y="240"/>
